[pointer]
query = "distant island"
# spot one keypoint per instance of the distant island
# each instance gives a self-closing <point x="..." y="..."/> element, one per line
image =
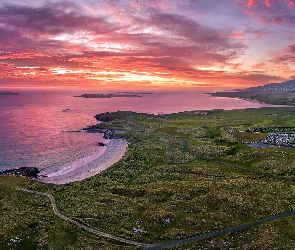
<point x="274" y="93"/>
<point x="137" y="93"/>
<point x="8" y="93"/>
<point x="107" y="95"/>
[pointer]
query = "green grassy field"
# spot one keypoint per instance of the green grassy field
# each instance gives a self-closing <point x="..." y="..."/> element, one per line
<point x="169" y="191"/>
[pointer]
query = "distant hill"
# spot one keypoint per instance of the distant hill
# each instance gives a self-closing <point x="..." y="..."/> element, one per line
<point x="273" y="93"/>
<point x="275" y="87"/>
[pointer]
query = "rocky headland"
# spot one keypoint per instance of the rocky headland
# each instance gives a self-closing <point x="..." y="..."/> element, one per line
<point x="30" y="172"/>
<point x="273" y="94"/>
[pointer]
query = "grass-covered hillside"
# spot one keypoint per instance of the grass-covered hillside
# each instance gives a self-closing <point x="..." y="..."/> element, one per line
<point x="274" y="93"/>
<point x="170" y="184"/>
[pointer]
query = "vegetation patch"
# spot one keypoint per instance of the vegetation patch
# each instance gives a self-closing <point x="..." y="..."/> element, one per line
<point x="170" y="185"/>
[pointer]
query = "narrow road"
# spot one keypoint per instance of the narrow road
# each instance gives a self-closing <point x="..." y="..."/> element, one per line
<point x="226" y="230"/>
<point x="87" y="228"/>
<point x="177" y="242"/>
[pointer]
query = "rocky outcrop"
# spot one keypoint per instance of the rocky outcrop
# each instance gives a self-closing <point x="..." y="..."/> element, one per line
<point x="111" y="116"/>
<point x="108" y="134"/>
<point x="30" y="172"/>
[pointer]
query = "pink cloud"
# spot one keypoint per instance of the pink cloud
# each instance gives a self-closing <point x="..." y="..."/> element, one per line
<point x="178" y="43"/>
<point x="290" y="3"/>
<point x="267" y="3"/>
<point x="252" y="3"/>
<point x="278" y="12"/>
<point x="284" y="60"/>
<point x="237" y="34"/>
<point x="62" y="37"/>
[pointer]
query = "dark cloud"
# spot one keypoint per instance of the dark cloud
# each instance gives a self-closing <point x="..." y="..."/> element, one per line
<point x="291" y="49"/>
<point x="191" y="31"/>
<point x="286" y="20"/>
<point x="180" y="41"/>
<point x="62" y="35"/>
<point x="286" y="56"/>
<point x="24" y="27"/>
<point x="258" y="32"/>
<point x="52" y="19"/>
<point x="277" y="12"/>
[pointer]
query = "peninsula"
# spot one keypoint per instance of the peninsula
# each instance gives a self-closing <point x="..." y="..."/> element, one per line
<point x="187" y="180"/>
<point x="274" y="93"/>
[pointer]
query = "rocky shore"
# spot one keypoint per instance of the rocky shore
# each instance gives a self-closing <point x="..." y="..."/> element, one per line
<point x="30" y="172"/>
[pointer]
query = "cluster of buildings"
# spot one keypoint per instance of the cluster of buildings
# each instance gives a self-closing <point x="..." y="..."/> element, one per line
<point x="287" y="86"/>
<point x="284" y="139"/>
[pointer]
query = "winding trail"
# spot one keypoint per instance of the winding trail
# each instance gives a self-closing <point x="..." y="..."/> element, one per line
<point x="183" y="241"/>
<point x="87" y="228"/>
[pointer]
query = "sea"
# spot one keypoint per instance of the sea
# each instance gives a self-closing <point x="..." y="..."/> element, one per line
<point x="35" y="124"/>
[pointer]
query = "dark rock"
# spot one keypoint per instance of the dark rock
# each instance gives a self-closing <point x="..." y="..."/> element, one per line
<point x="101" y="144"/>
<point x="30" y="172"/>
<point x="109" y="134"/>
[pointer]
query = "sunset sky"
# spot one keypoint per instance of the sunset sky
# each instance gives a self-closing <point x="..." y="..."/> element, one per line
<point x="135" y="44"/>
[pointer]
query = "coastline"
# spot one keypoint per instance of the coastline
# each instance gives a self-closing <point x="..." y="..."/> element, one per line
<point x="87" y="166"/>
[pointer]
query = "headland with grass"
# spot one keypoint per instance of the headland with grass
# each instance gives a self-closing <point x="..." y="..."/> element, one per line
<point x="183" y="175"/>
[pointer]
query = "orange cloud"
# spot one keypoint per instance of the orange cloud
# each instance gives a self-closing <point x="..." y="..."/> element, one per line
<point x="139" y="42"/>
<point x="259" y="65"/>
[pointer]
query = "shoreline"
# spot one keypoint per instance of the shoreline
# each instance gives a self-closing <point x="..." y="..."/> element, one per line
<point x="254" y="100"/>
<point x="87" y="166"/>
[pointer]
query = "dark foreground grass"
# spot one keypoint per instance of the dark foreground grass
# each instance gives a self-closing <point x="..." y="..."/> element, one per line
<point x="164" y="190"/>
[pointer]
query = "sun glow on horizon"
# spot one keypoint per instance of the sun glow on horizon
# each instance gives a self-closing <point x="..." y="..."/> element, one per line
<point x="171" y="45"/>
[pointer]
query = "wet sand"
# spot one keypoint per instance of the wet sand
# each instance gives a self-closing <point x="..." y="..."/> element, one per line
<point x="87" y="166"/>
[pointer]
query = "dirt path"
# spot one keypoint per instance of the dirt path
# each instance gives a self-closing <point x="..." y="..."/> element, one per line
<point x="87" y="228"/>
<point x="177" y="242"/>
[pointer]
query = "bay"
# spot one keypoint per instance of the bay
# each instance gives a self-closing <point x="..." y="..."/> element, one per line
<point x="32" y="123"/>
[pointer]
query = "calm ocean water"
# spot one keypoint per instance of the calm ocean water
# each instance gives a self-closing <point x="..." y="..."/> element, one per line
<point x="32" y="123"/>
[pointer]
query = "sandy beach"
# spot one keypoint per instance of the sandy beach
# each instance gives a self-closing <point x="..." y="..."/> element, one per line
<point x="87" y="166"/>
